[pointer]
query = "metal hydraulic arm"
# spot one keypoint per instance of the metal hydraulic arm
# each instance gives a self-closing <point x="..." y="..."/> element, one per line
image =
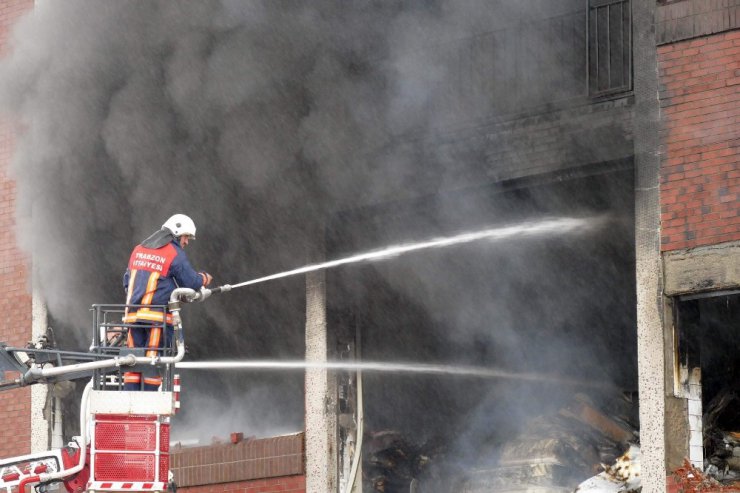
<point x="107" y="414"/>
<point x="14" y="360"/>
<point x="52" y="365"/>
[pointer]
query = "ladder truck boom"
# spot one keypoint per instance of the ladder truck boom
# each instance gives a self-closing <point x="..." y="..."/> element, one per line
<point x="124" y="436"/>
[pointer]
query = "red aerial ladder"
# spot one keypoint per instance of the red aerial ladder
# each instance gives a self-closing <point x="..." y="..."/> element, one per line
<point x="124" y="436"/>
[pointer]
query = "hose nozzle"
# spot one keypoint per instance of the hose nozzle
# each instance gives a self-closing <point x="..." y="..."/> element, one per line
<point x="205" y="292"/>
<point x="221" y="289"/>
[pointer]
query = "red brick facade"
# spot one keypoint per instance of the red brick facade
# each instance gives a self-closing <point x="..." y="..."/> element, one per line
<point x="259" y="465"/>
<point x="15" y="304"/>
<point x="285" y="484"/>
<point x="700" y="141"/>
<point x="10" y="10"/>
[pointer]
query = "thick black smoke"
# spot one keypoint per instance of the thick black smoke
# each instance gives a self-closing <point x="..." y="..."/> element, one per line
<point x="256" y="118"/>
<point x="262" y="120"/>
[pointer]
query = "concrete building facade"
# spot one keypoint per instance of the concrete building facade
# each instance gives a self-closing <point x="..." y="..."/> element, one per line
<point x="665" y="115"/>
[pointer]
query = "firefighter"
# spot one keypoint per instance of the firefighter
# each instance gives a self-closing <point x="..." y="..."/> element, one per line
<point x="156" y="267"/>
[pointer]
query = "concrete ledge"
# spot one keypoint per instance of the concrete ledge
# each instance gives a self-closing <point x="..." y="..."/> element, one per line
<point x="707" y="268"/>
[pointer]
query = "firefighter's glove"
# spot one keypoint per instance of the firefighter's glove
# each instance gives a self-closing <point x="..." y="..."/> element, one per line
<point x="207" y="278"/>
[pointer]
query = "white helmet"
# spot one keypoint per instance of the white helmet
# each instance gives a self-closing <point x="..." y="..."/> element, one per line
<point x="180" y="224"/>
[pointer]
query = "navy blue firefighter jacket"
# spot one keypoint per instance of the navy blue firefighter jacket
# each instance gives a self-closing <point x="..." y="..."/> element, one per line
<point x="153" y="272"/>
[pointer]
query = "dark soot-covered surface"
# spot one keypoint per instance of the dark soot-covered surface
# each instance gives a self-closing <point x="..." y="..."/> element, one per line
<point x="561" y="304"/>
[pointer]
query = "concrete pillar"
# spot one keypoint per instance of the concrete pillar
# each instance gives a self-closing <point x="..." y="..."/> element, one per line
<point x="650" y="330"/>
<point x="46" y="408"/>
<point x="40" y="427"/>
<point x="321" y="392"/>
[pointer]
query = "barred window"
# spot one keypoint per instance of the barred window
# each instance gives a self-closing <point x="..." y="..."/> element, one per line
<point x="609" y="47"/>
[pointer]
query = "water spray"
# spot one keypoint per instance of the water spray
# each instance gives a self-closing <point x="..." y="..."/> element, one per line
<point x="390" y="367"/>
<point x="531" y="228"/>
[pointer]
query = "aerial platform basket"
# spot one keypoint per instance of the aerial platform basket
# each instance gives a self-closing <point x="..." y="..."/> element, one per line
<point x="124" y="435"/>
<point x="129" y="430"/>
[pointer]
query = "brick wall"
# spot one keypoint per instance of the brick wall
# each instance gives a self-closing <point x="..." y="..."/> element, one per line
<point x="10" y="10"/>
<point x="15" y="303"/>
<point x="700" y="141"/>
<point x="285" y="484"/>
<point x="259" y="465"/>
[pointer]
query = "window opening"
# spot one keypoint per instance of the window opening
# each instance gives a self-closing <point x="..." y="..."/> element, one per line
<point x="708" y="372"/>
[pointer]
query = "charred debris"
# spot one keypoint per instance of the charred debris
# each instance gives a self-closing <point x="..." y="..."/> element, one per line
<point x="581" y="447"/>
<point x="721" y="443"/>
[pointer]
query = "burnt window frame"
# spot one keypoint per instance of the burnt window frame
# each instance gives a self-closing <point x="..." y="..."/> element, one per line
<point x="595" y="60"/>
<point x="694" y="319"/>
<point x="686" y="347"/>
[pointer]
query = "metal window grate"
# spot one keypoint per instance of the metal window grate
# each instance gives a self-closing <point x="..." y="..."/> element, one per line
<point x="609" y="47"/>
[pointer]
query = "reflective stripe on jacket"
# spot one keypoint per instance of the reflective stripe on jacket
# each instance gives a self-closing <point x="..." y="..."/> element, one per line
<point x="152" y="275"/>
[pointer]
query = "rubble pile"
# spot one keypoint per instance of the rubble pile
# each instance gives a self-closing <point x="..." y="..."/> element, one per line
<point x="393" y="464"/>
<point x="722" y="446"/>
<point x="724" y="462"/>
<point x="689" y="479"/>
<point x="622" y="476"/>
<point x="554" y="454"/>
<point x="550" y="452"/>
<point x="557" y="452"/>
